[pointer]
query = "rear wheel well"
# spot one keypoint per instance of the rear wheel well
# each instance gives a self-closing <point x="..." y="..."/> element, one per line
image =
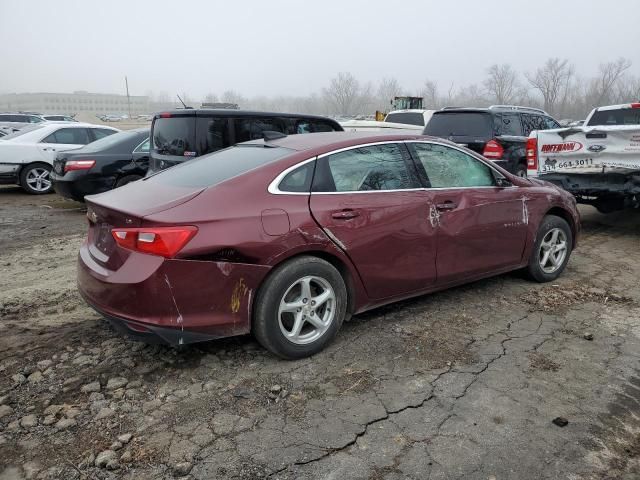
<point x="566" y="216"/>
<point x="339" y="265"/>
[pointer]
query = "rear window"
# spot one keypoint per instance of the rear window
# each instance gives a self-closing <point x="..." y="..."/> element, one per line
<point x="459" y="124"/>
<point x="623" y="116"/>
<point x="175" y="136"/>
<point x="411" y="118"/>
<point x="22" y="131"/>
<point x="219" y="166"/>
<point x="120" y="142"/>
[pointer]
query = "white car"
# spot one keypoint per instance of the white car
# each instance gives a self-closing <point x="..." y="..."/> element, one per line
<point x="26" y="156"/>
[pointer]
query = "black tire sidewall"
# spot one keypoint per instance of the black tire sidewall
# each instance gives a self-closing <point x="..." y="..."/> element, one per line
<point x="126" y="179"/>
<point x="266" y="326"/>
<point x="548" y="223"/>
<point x="23" y="178"/>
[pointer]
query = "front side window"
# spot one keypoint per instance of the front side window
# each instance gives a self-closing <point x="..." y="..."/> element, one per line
<point x="551" y="123"/>
<point x="410" y="118"/>
<point x="447" y="167"/>
<point x="374" y="167"/>
<point x="252" y="128"/>
<point x="69" y="136"/>
<point x="532" y="122"/>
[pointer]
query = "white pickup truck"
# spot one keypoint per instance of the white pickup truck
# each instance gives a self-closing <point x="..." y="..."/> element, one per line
<point x="402" y="122"/>
<point x="599" y="162"/>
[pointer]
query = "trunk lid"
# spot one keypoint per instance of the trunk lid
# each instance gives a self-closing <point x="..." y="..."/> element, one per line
<point x="126" y="207"/>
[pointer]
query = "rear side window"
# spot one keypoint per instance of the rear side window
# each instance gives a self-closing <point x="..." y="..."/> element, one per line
<point x="175" y="136"/>
<point x="460" y="124"/>
<point x="508" y="124"/>
<point x="411" y="118"/>
<point x="212" y="134"/>
<point x="299" y="180"/>
<point x="532" y="122"/>
<point x="71" y="136"/>
<point x="447" y="167"/>
<point x="251" y="128"/>
<point x="626" y="116"/>
<point x="375" y="167"/>
<point x="219" y="166"/>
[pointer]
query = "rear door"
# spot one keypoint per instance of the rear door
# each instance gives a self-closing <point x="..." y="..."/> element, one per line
<point x="368" y="201"/>
<point x="481" y="227"/>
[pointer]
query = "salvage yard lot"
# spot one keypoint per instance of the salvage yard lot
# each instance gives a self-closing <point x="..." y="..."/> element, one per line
<point x="460" y="384"/>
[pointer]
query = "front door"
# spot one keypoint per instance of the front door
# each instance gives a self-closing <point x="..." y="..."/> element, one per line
<point x="368" y="201"/>
<point x="482" y="227"/>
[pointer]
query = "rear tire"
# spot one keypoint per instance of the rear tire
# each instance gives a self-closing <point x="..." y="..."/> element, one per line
<point x="300" y="308"/>
<point x="35" y="179"/>
<point x="551" y="250"/>
<point x="127" y="179"/>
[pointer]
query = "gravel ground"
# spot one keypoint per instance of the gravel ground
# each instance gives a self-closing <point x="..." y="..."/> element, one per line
<point x="462" y="384"/>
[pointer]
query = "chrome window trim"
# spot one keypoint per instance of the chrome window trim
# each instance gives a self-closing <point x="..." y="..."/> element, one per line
<point x="273" y="187"/>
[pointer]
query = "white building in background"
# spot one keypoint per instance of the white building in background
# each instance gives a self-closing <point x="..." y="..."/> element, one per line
<point x="73" y="103"/>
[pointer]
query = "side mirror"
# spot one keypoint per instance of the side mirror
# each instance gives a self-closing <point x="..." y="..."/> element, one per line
<point x="502" y="181"/>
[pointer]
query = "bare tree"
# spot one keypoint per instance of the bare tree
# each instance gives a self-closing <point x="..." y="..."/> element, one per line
<point x="430" y="95"/>
<point x="210" y="98"/>
<point x="387" y="90"/>
<point x="552" y="80"/>
<point x="502" y="83"/>
<point x="231" y="96"/>
<point x="343" y="92"/>
<point x="603" y="86"/>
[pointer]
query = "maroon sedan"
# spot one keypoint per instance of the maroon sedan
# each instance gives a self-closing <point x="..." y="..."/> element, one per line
<point x="286" y="238"/>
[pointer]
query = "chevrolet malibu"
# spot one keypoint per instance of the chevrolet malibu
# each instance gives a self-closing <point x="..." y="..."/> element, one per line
<point x="287" y="237"/>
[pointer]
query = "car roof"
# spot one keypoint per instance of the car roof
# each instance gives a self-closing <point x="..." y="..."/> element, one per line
<point x="328" y="141"/>
<point x="228" y="112"/>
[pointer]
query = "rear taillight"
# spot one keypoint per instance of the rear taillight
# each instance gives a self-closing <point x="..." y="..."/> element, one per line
<point x="635" y="105"/>
<point x="532" y="153"/>
<point x="493" y="150"/>
<point x="162" y="241"/>
<point x="78" y="165"/>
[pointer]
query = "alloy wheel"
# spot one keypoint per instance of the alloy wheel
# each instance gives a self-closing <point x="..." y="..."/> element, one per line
<point x="38" y="179"/>
<point x="553" y="250"/>
<point x="307" y="310"/>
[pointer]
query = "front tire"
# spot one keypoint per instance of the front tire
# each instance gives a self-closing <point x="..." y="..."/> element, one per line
<point x="127" y="179"/>
<point x="300" y="308"/>
<point x="35" y="179"/>
<point x="551" y="250"/>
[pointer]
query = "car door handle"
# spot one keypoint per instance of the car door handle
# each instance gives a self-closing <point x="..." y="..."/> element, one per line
<point x="596" y="135"/>
<point x="345" y="214"/>
<point x="446" y="206"/>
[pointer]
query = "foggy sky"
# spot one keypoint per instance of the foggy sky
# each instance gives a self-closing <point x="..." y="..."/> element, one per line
<point x="294" y="47"/>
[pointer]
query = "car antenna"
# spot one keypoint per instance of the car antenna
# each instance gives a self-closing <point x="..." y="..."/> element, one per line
<point x="272" y="135"/>
<point x="183" y="104"/>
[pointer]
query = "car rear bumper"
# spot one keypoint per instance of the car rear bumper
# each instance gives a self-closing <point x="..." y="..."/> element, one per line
<point x="177" y="301"/>
<point x="76" y="185"/>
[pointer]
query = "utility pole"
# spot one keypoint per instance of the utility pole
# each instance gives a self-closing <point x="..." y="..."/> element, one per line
<point x="126" y="82"/>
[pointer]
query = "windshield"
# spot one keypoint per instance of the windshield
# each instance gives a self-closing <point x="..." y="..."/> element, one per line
<point x="410" y="118"/>
<point x="622" y="116"/>
<point x="219" y="166"/>
<point x="459" y="124"/>
<point x="22" y="131"/>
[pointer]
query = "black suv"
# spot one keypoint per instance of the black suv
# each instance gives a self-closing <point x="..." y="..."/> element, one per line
<point x="180" y="135"/>
<point x="499" y="132"/>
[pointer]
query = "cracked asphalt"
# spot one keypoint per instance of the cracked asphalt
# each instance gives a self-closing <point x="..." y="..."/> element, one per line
<point x="462" y="384"/>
